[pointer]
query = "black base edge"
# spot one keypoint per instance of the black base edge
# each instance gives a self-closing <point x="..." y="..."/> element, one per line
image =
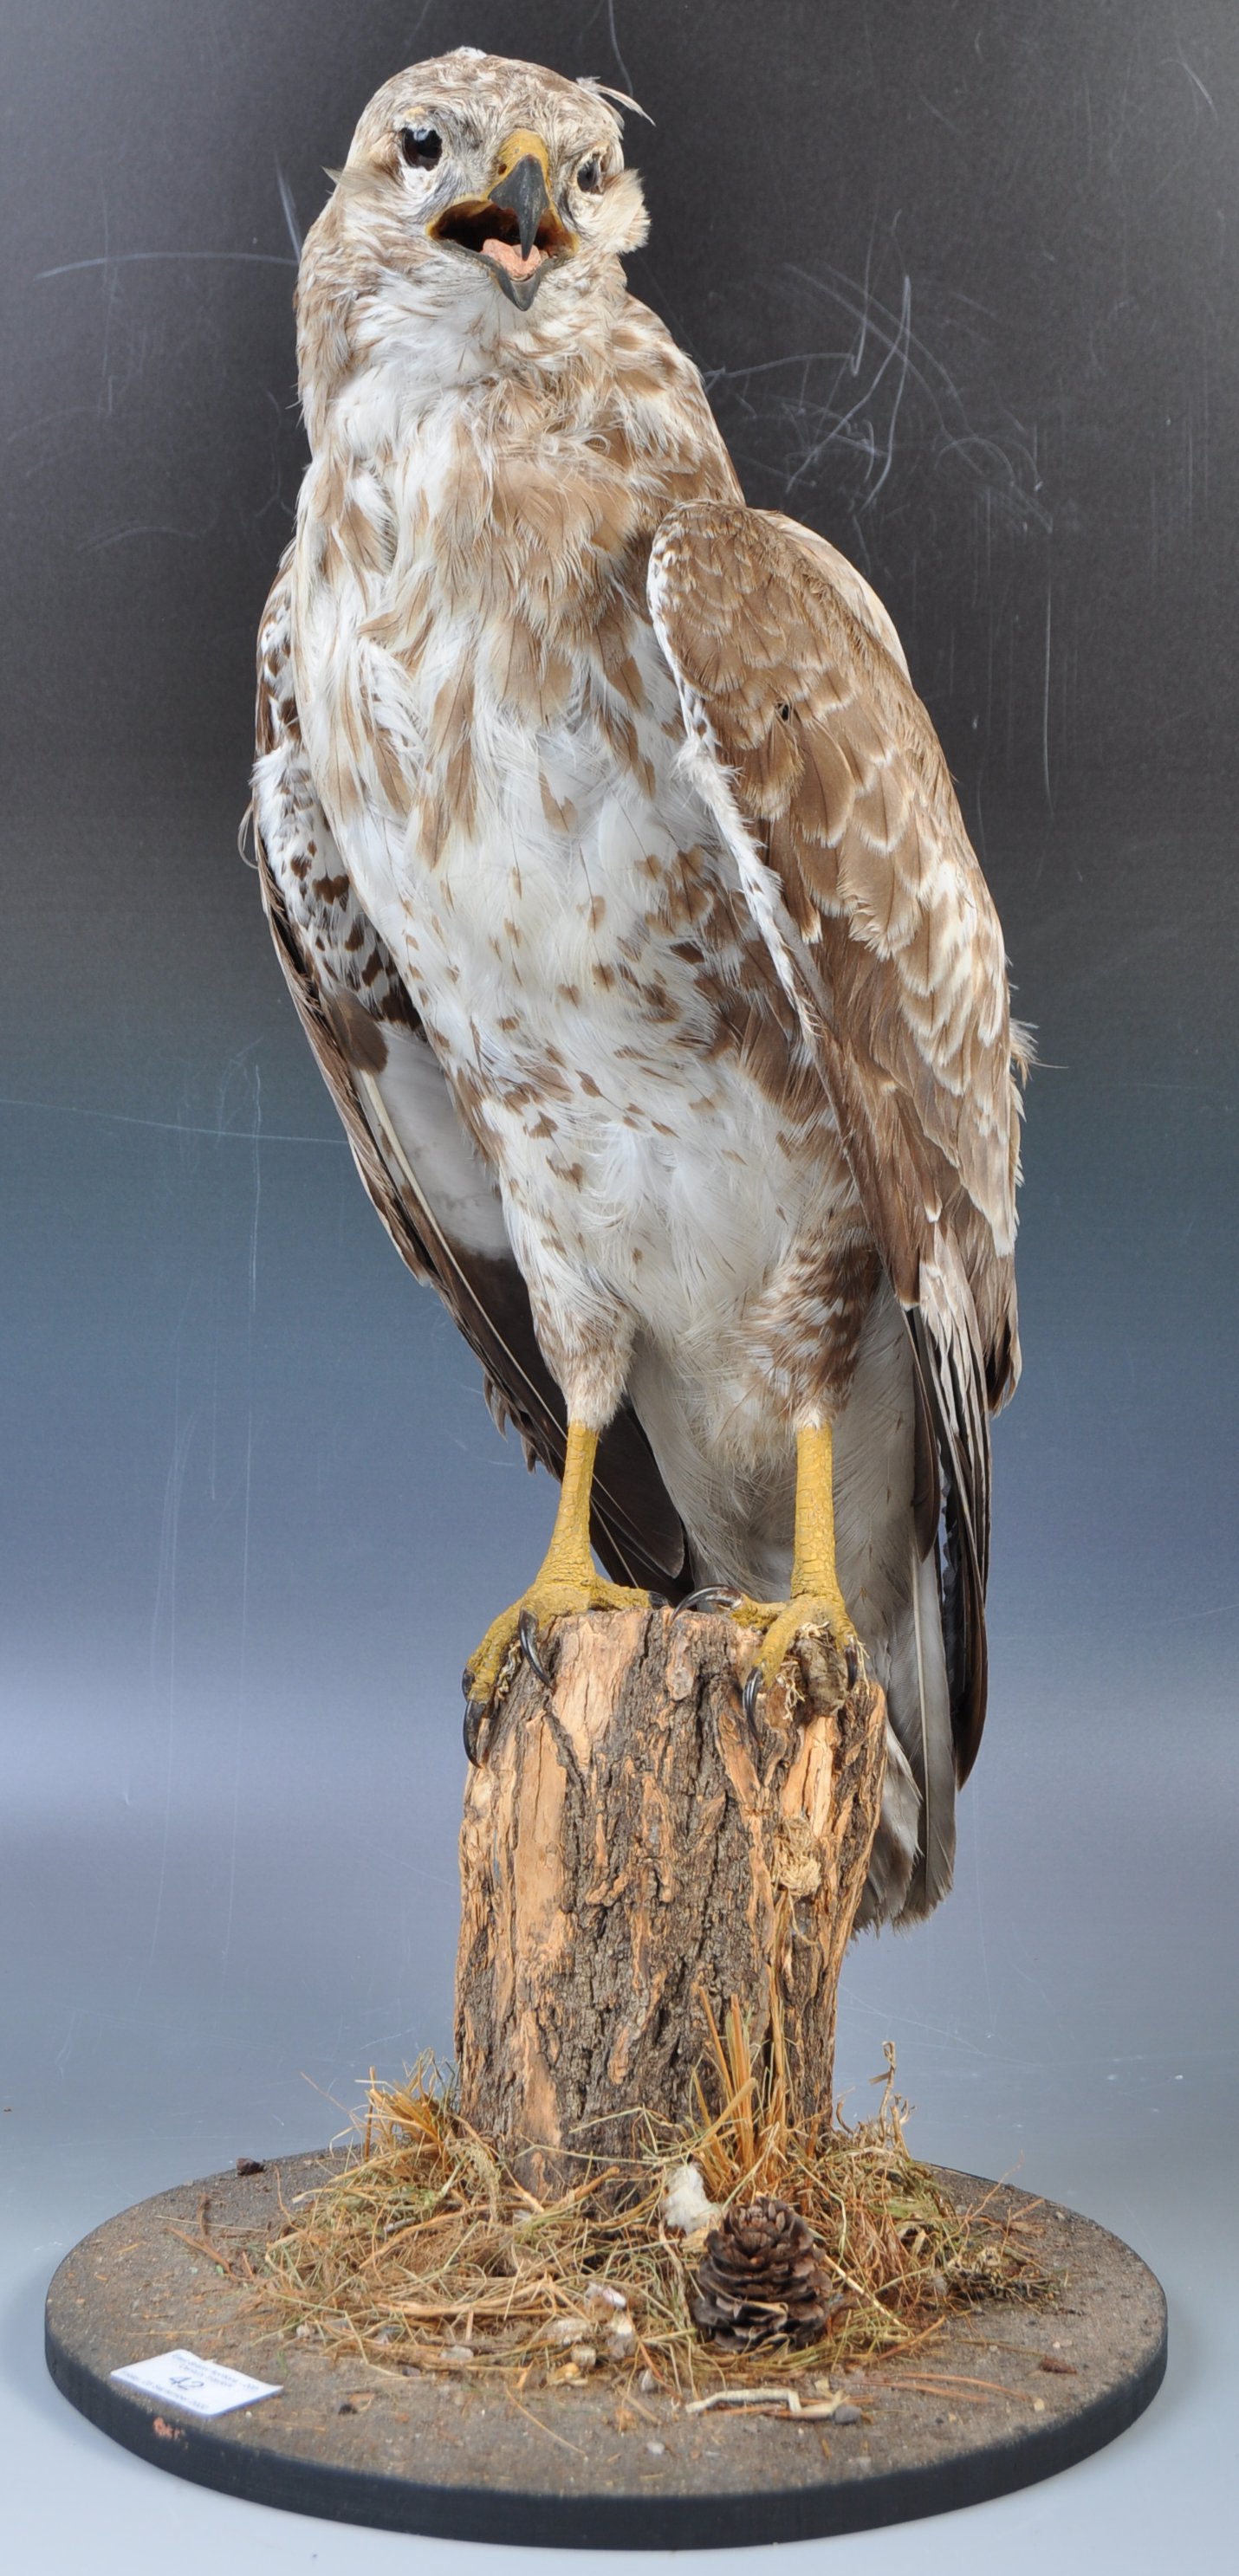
<point x="530" y="2520"/>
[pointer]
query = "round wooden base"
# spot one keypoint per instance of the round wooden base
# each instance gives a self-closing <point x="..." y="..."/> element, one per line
<point x="999" y="2398"/>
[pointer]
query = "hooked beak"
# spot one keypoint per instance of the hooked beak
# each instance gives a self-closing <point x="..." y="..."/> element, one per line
<point x="515" y="228"/>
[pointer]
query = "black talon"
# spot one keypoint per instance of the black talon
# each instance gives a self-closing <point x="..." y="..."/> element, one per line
<point x="475" y="1721"/>
<point x="851" y="1666"/>
<point x="712" y="1596"/>
<point x="659" y="1601"/>
<point x="527" y="1631"/>
<point x="750" y="1696"/>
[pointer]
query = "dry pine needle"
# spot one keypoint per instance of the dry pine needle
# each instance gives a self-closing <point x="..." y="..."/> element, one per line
<point x="426" y="2251"/>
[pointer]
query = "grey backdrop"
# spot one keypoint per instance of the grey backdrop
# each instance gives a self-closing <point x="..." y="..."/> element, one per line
<point x="962" y="277"/>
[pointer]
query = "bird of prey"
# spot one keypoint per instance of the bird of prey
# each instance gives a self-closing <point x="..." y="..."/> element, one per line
<point x="621" y="888"/>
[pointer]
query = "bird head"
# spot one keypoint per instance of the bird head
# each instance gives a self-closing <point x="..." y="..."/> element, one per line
<point x="483" y="206"/>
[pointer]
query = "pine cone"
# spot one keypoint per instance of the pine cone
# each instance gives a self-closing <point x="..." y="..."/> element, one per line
<point x="760" y="2278"/>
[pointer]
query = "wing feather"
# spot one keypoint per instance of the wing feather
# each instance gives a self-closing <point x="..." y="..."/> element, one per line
<point x="823" y="769"/>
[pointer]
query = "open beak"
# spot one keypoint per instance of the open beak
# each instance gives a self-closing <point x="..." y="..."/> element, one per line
<point x="515" y="228"/>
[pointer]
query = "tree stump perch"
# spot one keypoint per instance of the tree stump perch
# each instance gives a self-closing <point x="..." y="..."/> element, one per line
<point x="630" y="1845"/>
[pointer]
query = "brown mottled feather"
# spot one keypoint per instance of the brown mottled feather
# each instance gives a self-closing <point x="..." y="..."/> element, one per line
<point x="804" y="978"/>
<point x="794" y="684"/>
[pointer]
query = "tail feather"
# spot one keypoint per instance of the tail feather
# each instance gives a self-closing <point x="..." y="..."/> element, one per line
<point x="946" y="1340"/>
<point x="920" y="1712"/>
<point x="894" y="1855"/>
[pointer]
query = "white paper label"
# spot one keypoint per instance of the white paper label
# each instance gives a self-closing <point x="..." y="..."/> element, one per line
<point x="201" y="2387"/>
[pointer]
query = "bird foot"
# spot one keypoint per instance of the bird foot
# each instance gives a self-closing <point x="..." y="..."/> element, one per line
<point x="491" y="1668"/>
<point x="784" y="1623"/>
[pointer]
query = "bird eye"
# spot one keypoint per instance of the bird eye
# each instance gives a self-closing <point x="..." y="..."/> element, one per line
<point x="589" y="176"/>
<point x="421" y="146"/>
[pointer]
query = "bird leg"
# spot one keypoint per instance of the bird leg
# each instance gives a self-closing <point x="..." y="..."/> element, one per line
<point x="816" y="1600"/>
<point x="567" y="1581"/>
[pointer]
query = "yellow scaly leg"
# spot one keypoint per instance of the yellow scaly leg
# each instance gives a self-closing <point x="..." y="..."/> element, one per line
<point x="566" y="1582"/>
<point x="816" y="1600"/>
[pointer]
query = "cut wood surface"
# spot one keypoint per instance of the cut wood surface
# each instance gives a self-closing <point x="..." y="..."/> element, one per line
<point x="632" y="1845"/>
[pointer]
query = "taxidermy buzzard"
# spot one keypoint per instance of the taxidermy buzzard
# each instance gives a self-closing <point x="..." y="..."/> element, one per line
<point x="621" y="888"/>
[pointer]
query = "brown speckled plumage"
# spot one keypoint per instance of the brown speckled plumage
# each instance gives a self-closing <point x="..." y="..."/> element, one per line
<point x="625" y="898"/>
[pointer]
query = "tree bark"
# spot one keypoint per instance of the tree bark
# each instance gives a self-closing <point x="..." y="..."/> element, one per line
<point x="632" y="1844"/>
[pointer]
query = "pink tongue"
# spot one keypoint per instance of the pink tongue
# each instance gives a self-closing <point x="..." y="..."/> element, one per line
<point x="508" y="255"/>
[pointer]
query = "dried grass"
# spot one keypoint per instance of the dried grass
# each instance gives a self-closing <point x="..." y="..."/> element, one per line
<point x="426" y="2251"/>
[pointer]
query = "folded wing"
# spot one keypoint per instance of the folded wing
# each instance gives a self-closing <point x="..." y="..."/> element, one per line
<point x="828" y="782"/>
